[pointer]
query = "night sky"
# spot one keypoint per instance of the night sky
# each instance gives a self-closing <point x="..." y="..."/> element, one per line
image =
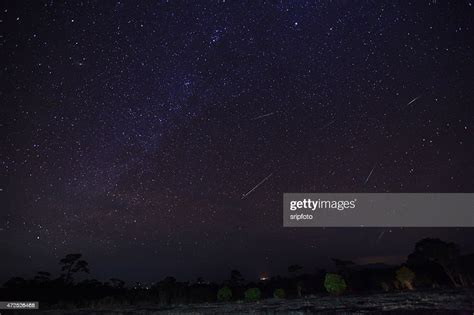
<point x="133" y="132"/>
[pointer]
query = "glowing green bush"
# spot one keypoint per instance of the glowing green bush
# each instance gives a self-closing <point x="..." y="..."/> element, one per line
<point x="252" y="294"/>
<point x="279" y="294"/>
<point x="334" y="284"/>
<point x="224" y="294"/>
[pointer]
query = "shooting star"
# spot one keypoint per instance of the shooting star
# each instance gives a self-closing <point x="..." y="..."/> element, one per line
<point x="380" y="236"/>
<point x="255" y="187"/>
<point x="263" y="116"/>
<point x="370" y="174"/>
<point x="413" y="100"/>
<point x="327" y="125"/>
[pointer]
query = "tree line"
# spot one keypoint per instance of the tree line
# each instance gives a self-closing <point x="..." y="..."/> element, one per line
<point x="432" y="264"/>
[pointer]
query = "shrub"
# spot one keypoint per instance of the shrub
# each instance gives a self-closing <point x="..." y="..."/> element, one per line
<point x="334" y="284"/>
<point x="279" y="294"/>
<point x="224" y="294"/>
<point x="405" y="276"/>
<point x="252" y="294"/>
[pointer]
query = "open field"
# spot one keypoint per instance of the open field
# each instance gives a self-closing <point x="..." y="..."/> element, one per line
<point x="425" y="302"/>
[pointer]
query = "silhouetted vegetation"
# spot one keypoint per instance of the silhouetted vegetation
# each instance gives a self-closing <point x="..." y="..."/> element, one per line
<point x="224" y="294"/>
<point x="253" y="294"/>
<point x="405" y="276"/>
<point x="334" y="284"/>
<point x="433" y="264"/>
<point x="279" y="293"/>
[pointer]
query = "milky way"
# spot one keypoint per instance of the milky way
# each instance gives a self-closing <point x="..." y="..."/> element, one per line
<point x="131" y="131"/>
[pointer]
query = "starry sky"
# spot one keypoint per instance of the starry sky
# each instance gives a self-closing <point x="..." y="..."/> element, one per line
<point x="132" y="130"/>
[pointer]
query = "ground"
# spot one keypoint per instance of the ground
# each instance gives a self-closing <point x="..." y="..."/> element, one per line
<point x="419" y="302"/>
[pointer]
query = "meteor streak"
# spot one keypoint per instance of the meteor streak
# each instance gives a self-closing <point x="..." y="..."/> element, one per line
<point x="263" y="116"/>
<point x="370" y="174"/>
<point x="255" y="187"/>
<point x="413" y="100"/>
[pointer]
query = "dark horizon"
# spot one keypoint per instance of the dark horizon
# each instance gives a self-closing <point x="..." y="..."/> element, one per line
<point x="145" y="272"/>
<point x="157" y="139"/>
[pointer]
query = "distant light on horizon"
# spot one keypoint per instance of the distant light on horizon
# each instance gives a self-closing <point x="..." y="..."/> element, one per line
<point x="264" y="277"/>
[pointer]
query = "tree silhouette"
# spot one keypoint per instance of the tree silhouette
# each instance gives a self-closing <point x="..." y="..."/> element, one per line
<point x="42" y="276"/>
<point x="339" y="263"/>
<point x="343" y="266"/>
<point x="117" y="283"/>
<point x="293" y="269"/>
<point x="236" y="277"/>
<point x="435" y="250"/>
<point x="71" y="265"/>
<point x="167" y="289"/>
<point x="15" y="282"/>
